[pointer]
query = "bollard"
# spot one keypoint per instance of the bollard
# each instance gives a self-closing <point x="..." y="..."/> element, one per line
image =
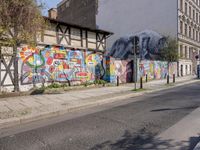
<point x="174" y="78"/>
<point x="146" y="78"/>
<point x="141" y="83"/>
<point x="167" y="79"/>
<point x="117" y="80"/>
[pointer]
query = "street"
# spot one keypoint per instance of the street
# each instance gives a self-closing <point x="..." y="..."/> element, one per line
<point x="125" y="126"/>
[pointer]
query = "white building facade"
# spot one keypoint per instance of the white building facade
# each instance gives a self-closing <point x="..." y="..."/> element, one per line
<point x="188" y="35"/>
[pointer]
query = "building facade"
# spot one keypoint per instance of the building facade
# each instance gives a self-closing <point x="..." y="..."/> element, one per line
<point x="188" y="35"/>
<point x="179" y="19"/>
<point x="79" y="12"/>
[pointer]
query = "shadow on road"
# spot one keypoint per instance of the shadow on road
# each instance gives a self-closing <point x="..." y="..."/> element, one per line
<point x="145" y="141"/>
<point x="168" y="109"/>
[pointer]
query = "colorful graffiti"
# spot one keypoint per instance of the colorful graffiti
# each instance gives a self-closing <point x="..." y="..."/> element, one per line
<point x="121" y="68"/>
<point x="156" y="69"/>
<point x="54" y="63"/>
<point x="110" y="70"/>
<point x="124" y="69"/>
<point x="94" y="63"/>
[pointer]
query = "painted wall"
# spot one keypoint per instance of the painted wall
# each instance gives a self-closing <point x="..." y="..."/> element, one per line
<point x="155" y="70"/>
<point x="149" y="45"/>
<point x="54" y="63"/>
<point x="121" y="68"/>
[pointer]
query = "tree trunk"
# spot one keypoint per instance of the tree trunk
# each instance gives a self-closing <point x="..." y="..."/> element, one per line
<point x="16" y="74"/>
<point x="168" y="72"/>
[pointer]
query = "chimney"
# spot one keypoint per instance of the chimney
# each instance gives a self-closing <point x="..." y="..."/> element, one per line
<point x="53" y="13"/>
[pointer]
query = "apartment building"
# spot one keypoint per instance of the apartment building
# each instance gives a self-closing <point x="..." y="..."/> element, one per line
<point x="188" y="34"/>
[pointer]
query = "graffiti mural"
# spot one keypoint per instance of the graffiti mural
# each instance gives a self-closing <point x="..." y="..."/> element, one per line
<point x="124" y="69"/>
<point x="55" y="63"/>
<point x="172" y="69"/>
<point x="110" y="70"/>
<point x="94" y="63"/>
<point x="156" y="69"/>
<point x="150" y="43"/>
<point x="121" y="68"/>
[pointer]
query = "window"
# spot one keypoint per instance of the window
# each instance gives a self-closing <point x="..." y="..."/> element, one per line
<point x="190" y="12"/>
<point x="197" y="17"/>
<point x="190" y="53"/>
<point x="181" y="50"/>
<point x="190" y="34"/>
<point x="186" y="8"/>
<point x="186" y="30"/>
<point x="193" y="34"/>
<point x="181" y="27"/>
<point x="186" y="50"/>
<point x="193" y="14"/>
<point x="181" y="5"/>
<point x="197" y="36"/>
<point x="186" y="69"/>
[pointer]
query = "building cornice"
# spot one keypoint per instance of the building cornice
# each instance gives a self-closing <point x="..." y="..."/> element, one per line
<point x="188" y="41"/>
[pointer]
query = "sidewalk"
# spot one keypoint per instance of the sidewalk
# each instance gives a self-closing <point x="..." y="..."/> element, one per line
<point x="177" y="139"/>
<point x="25" y="109"/>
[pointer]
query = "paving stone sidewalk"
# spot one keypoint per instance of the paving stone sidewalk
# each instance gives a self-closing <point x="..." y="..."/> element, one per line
<point x="24" y="109"/>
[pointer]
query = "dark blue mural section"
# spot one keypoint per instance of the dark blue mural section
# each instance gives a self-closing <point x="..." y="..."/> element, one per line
<point x="150" y="43"/>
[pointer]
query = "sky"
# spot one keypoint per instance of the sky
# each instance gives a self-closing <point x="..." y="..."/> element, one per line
<point x="49" y="4"/>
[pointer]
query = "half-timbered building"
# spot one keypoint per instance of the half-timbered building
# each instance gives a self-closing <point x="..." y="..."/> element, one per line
<point x="65" y="53"/>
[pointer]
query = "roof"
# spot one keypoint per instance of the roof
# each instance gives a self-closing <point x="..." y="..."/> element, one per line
<point x="78" y="26"/>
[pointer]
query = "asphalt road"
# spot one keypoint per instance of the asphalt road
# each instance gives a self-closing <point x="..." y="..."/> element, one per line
<point x="125" y="126"/>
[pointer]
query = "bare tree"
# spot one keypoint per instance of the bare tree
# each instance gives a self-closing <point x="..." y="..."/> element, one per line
<point x="20" y="20"/>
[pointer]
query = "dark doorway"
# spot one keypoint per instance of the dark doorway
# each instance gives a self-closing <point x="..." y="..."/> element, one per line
<point x="181" y="70"/>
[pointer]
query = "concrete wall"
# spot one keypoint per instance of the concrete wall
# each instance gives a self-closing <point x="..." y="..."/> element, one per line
<point x="124" y="17"/>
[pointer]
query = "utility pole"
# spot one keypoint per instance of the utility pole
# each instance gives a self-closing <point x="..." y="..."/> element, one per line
<point x="135" y="48"/>
<point x="135" y="64"/>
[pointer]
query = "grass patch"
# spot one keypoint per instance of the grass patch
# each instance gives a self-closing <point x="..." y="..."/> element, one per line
<point x="38" y="91"/>
<point x="138" y="90"/>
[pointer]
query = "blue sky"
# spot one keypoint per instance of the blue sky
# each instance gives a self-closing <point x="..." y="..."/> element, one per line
<point x="49" y="4"/>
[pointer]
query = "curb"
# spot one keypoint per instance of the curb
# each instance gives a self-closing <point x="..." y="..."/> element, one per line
<point x="8" y="123"/>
